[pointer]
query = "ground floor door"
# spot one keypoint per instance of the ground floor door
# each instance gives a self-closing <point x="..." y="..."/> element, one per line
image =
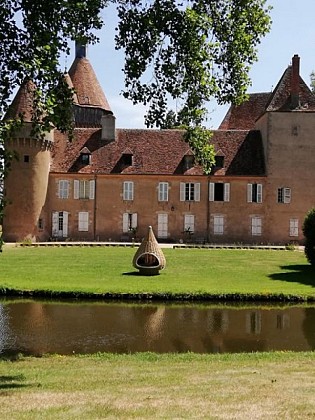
<point x="60" y="224"/>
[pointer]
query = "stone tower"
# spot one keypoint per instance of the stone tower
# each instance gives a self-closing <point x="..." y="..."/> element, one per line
<point x="26" y="185"/>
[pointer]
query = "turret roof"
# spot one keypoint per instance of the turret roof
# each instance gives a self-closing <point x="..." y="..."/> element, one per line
<point x="22" y="103"/>
<point x="86" y="85"/>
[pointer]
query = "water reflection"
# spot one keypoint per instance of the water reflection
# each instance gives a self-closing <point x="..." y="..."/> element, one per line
<point x="40" y="327"/>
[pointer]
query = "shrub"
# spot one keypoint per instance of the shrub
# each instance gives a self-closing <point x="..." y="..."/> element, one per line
<point x="309" y="233"/>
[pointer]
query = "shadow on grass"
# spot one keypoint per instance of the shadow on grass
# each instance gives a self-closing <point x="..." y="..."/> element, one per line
<point x="299" y="273"/>
<point x="132" y="273"/>
<point x="12" y="381"/>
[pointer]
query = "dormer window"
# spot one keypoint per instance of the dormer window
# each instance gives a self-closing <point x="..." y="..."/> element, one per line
<point x="126" y="159"/>
<point x="189" y="161"/>
<point x="85" y="156"/>
<point x="219" y="161"/>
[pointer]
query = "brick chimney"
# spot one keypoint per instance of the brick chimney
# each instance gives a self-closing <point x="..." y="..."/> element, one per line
<point x="108" y="127"/>
<point x="295" y="81"/>
<point x="80" y="50"/>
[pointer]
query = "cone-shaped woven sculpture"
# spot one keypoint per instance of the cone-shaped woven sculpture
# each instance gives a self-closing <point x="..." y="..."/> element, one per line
<point x="149" y="258"/>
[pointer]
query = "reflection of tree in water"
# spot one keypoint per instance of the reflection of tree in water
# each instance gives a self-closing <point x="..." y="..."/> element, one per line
<point x="309" y="327"/>
<point x="5" y="338"/>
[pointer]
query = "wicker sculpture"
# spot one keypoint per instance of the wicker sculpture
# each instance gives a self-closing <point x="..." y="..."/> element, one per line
<point x="149" y="258"/>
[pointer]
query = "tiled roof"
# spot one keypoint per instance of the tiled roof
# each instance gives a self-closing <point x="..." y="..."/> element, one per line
<point x="86" y="85"/>
<point x="22" y="102"/>
<point x="281" y="96"/>
<point x="155" y="152"/>
<point x="244" y="116"/>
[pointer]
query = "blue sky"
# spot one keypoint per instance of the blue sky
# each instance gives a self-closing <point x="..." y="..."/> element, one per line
<point x="292" y="32"/>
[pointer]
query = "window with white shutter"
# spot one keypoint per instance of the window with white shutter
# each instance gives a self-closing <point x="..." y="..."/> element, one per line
<point x="163" y="191"/>
<point x="254" y="193"/>
<point x="256" y="226"/>
<point x="84" y="189"/>
<point x="128" y="190"/>
<point x="162" y="225"/>
<point x="60" y="224"/>
<point x="218" y="225"/>
<point x="189" y="191"/>
<point x="130" y="222"/>
<point x="63" y="188"/>
<point x="219" y="191"/>
<point x="83" y="221"/>
<point x="284" y="195"/>
<point x="189" y="223"/>
<point x="294" y="227"/>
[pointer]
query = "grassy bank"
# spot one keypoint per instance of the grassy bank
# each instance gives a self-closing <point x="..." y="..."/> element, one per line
<point x="239" y="386"/>
<point x="189" y="272"/>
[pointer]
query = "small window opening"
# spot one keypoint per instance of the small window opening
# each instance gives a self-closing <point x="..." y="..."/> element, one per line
<point x="26" y="158"/>
<point x="189" y="161"/>
<point x="219" y="161"/>
<point x="126" y="159"/>
<point x="85" y="158"/>
<point x="40" y="224"/>
<point x="219" y="191"/>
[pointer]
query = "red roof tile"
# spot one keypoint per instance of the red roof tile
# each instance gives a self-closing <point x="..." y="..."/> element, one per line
<point x="155" y="152"/>
<point x="281" y="96"/>
<point x="86" y="85"/>
<point x="22" y="103"/>
<point x="244" y="116"/>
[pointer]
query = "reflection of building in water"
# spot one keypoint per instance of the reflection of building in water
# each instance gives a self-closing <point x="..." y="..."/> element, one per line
<point x="6" y="339"/>
<point x="85" y="328"/>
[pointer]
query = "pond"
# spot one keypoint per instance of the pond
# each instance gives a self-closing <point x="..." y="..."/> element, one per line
<point x="37" y="327"/>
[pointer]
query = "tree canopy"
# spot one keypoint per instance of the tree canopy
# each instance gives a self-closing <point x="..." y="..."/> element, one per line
<point x="186" y="52"/>
<point x="309" y="233"/>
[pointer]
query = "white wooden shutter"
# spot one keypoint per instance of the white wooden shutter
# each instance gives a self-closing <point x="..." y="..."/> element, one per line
<point x="249" y="193"/>
<point x="218" y="225"/>
<point x="83" y="221"/>
<point x="182" y="191"/>
<point x="294" y="227"/>
<point x="55" y="224"/>
<point x="197" y="191"/>
<point x="256" y="226"/>
<point x="65" y="224"/>
<point x="63" y="188"/>
<point x="92" y="189"/>
<point x="259" y="193"/>
<point x="211" y="191"/>
<point x="226" y="191"/>
<point x="125" y="222"/>
<point x="162" y="225"/>
<point x="163" y="191"/>
<point x="189" y="222"/>
<point x="134" y="220"/>
<point x="128" y="190"/>
<point x="287" y="195"/>
<point x="76" y="189"/>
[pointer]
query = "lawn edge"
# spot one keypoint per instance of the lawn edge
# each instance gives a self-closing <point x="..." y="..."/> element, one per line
<point x="147" y="296"/>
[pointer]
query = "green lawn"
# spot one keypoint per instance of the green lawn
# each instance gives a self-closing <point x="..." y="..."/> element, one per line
<point x="237" y="386"/>
<point x="188" y="271"/>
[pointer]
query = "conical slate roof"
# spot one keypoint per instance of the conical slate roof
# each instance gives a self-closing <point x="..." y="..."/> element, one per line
<point x="86" y="85"/>
<point x="149" y="258"/>
<point x="22" y="104"/>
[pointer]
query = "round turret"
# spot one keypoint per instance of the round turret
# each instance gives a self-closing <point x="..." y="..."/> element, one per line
<point x="25" y="186"/>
